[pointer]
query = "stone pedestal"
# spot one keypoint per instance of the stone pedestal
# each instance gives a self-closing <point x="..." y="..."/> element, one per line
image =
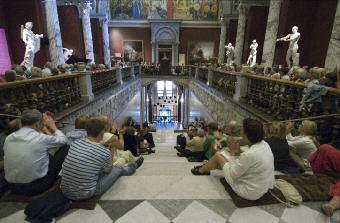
<point x="241" y="29"/>
<point x="142" y="106"/>
<point x="53" y="33"/>
<point x="221" y="51"/>
<point x="333" y="52"/>
<point x="241" y="88"/>
<point x="271" y="32"/>
<point x="106" y="42"/>
<point x="119" y="77"/>
<point x="86" y="86"/>
<point x="87" y="31"/>
<point x="210" y="77"/>
<point x="187" y="106"/>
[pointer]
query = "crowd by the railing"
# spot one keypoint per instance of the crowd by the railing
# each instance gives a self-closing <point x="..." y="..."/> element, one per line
<point x="18" y="72"/>
<point x="154" y="70"/>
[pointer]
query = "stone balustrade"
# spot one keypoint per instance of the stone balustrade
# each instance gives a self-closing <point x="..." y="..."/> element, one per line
<point x="272" y="99"/>
<point x="54" y="94"/>
<point x="202" y="74"/>
<point x="103" y="80"/>
<point x="127" y="73"/>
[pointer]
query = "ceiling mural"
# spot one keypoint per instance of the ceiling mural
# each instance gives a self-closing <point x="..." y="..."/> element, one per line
<point x="192" y="10"/>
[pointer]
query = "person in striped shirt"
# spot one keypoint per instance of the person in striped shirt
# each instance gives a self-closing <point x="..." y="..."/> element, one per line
<point x="87" y="170"/>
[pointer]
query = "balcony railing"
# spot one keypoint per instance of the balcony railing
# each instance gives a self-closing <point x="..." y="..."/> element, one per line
<point x="54" y="94"/>
<point x="103" y="80"/>
<point x="224" y="82"/>
<point x="126" y="73"/>
<point x="203" y="74"/>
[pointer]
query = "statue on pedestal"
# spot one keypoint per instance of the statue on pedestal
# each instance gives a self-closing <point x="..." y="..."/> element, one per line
<point x="292" y="53"/>
<point x="229" y="53"/>
<point x="252" y="56"/>
<point x="32" y="42"/>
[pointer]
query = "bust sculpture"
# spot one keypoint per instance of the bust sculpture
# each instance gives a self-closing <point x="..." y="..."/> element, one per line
<point x="252" y="56"/>
<point x="67" y="53"/>
<point x="292" y="53"/>
<point x="229" y="53"/>
<point x="32" y="42"/>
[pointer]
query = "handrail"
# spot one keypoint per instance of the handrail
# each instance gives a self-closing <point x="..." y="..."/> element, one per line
<point x="37" y="80"/>
<point x="307" y="118"/>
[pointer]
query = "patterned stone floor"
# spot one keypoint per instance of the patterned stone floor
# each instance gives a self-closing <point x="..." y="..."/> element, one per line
<point x="163" y="190"/>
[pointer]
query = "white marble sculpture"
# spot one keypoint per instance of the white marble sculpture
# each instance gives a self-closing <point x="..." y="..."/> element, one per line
<point x="292" y="53"/>
<point x="32" y="42"/>
<point x="229" y="53"/>
<point x="252" y="56"/>
<point x="67" y="53"/>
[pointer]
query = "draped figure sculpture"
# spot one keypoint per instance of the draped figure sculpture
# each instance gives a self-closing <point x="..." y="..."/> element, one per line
<point x="229" y="53"/>
<point x="32" y="42"/>
<point x="252" y="56"/>
<point x="292" y="52"/>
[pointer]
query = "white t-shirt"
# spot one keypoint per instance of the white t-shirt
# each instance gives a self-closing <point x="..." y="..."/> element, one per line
<point x="252" y="173"/>
<point x="302" y="145"/>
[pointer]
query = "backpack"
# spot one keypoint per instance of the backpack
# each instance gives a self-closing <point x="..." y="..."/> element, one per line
<point x="47" y="207"/>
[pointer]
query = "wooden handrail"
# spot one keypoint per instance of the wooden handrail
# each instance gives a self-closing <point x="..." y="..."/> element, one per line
<point x="37" y="80"/>
<point x="308" y="118"/>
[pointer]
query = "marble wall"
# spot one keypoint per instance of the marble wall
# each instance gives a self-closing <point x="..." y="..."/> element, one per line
<point x="112" y="103"/>
<point x="333" y="53"/>
<point x="53" y="33"/>
<point x="221" y="108"/>
<point x="271" y="32"/>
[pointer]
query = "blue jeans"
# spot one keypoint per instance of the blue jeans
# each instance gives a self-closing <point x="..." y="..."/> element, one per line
<point x="107" y="180"/>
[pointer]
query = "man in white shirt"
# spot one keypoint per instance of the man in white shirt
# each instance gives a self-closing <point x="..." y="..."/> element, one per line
<point x="29" y="169"/>
<point x="250" y="173"/>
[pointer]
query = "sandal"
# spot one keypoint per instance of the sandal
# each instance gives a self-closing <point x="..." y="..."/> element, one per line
<point x="327" y="210"/>
<point x="195" y="171"/>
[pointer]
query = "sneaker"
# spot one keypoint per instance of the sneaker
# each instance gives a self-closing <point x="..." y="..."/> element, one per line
<point x="196" y="172"/>
<point x="139" y="161"/>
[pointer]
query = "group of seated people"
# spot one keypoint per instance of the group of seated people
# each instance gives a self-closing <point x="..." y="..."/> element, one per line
<point x="18" y="72"/>
<point x="305" y="74"/>
<point x="248" y="155"/>
<point x="91" y="157"/>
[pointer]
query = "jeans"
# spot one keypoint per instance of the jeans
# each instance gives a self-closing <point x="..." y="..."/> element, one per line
<point x="107" y="180"/>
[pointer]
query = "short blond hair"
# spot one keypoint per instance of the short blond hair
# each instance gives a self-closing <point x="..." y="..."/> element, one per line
<point x="310" y="127"/>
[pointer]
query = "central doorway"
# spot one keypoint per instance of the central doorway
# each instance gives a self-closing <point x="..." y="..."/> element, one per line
<point x="165" y="51"/>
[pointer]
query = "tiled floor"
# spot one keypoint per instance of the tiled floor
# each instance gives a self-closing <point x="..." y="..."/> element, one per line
<point x="163" y="190"/>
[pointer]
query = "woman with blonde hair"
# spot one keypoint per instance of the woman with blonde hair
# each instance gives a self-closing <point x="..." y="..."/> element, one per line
<point x="306" y="143"/>
<point x="276" y="138"/>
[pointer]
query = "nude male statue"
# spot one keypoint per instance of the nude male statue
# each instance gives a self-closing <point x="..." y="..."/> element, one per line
<point x="32" y="42"/>
<point x="293" y="39"/>
<point x="252" y="56"/>
<point x="229" y="53"/>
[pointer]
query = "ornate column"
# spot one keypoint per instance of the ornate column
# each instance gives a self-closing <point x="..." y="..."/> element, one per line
<point x="271" y="32"/>
<point x="333" y="52"/>
<point x="187" y="107"/>
<point x="85" y="11"/>
<point x="175" y="54"/>
<point x="221" y="51"/>
<point x="106" y="41"/>
<point x="241" y="29"/>
<point x="53" y="33"/>
<point x="153" y="52"/>
<point x="142" y="106"/>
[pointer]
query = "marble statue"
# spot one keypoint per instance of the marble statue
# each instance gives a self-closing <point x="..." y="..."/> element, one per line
<point x="292" y="52"/>
<point x="229" y="53"/>
<point x="252" y="56"/>
<point x="67" y="53"/>
<point x="32" y="42"/>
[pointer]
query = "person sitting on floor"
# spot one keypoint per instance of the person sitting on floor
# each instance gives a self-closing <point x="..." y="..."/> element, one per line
<point x="29" y="169"/>
<point x="326" y="160"/>
<point x="209" y="142"/>
<point x="232" y="129"/>
<point x="276" y="138"/>
<point x="79" y="131"/>
<point x="130" y="140"/>
<point x="194" y="146"/>
<point x="88" y="170"/>
<point x="305" y="144"/>
<point x="250" y="173"/>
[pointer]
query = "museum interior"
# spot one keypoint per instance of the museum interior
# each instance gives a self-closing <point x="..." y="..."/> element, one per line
<point x="161" y="111"/>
